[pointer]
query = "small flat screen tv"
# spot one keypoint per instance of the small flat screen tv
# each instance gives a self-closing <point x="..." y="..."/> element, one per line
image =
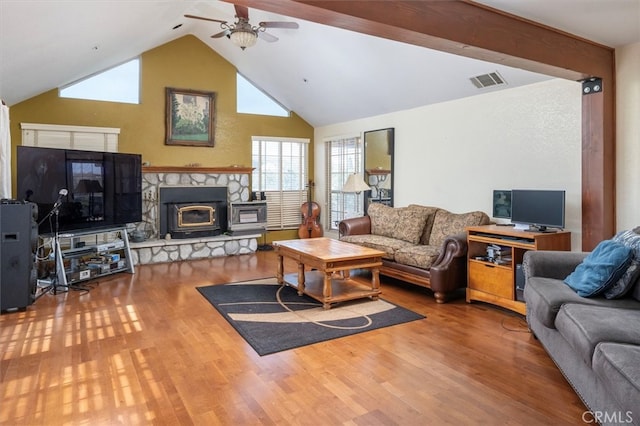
<point x="103" y="189"/>
<point x="540" y="209"/>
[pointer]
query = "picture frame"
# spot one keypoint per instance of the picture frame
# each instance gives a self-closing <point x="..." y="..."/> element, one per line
<point x="190" y="117"/>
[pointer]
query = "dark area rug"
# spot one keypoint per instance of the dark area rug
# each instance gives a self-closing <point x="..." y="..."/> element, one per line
<point x="273" y="318"/>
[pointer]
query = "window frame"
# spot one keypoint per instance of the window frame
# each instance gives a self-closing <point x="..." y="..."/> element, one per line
<point x="342" y="205"/>
<point x="283" y="204"/>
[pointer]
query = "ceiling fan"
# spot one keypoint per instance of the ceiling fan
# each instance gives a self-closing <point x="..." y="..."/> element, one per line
<point x="241" y="32"/>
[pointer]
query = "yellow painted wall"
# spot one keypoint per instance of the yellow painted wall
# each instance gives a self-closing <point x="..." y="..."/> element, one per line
<point x="185" y="63"/>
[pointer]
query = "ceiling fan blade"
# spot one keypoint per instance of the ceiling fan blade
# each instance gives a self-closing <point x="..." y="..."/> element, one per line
<point x="220" y="34"/>
<point x="205" y="19"/>
<point x="267" y="37"/>
<point x="242" y="11"/>
<point x="289" y="25"/>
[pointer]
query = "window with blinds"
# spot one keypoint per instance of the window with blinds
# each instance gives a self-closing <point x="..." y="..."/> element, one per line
<point x="281" y="173"/>
<point x="344" y="157"/>
<point x="70" y="137"/>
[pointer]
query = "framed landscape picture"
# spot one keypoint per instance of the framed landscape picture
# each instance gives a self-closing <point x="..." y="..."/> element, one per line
<point x="190" y="117"/>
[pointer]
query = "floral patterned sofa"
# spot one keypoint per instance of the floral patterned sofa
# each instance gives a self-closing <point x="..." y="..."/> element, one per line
<point x="423" y="245"/>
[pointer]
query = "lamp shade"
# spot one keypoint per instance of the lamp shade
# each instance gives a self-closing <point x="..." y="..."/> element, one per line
<point x="244" y="39"/>
<point x="88" y="186"/>
<point x="355" y="183"/>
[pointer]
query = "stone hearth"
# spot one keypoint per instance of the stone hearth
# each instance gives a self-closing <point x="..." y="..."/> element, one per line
<point x="162" y="251"/>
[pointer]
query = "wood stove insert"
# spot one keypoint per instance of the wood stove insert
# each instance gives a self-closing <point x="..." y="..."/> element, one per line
<point x="193" y="211"/>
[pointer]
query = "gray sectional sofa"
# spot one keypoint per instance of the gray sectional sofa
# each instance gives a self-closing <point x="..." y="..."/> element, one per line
<point x="594" y="341"/>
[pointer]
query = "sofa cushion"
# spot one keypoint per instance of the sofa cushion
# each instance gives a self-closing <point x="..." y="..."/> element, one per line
<point x="446" y="223"/>
<point x="545" y="297"/>
<point x="583" y="327"/>
<point x="600" y="269"/>
<point x="419" y="256"/>
<point x="617" y="366"/>
<point x="431" y="214"/>
<point x="386" y="244"/>
<point x="626" y="282"/>
<point x="397" y="222"/>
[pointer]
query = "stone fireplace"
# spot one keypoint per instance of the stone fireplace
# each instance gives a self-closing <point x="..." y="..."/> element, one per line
<point x="199" y="197"/>
<point x="231" y="183"/>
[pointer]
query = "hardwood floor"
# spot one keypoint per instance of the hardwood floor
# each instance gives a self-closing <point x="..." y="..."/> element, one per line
<point x="149" y="349"/>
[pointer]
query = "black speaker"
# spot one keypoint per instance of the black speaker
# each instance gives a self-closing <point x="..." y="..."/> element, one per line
<point x="17" y="282"/>
<point x="520" y="281"/>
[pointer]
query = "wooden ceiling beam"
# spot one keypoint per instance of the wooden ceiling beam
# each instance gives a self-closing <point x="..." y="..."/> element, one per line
<point x="459" y="27"/>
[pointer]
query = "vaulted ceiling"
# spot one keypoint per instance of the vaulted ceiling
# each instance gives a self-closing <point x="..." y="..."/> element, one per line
<point x="324" y="73"/>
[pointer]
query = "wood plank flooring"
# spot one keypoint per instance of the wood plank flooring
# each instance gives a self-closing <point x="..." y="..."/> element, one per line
<point x="149" y="349"/>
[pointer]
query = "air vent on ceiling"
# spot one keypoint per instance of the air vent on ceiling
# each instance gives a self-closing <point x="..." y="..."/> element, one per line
<point x="488" y="80"/>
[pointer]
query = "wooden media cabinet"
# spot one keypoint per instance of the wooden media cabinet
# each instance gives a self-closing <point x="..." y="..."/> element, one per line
<point x="493" y="279"/>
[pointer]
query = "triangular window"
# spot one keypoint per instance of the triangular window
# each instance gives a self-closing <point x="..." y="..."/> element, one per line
<point x="118" y="84"/>
<point x="252" y="100"/>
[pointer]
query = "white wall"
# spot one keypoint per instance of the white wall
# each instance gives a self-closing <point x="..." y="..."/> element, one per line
<point x="454" y="154"/>
<point x="628" y="137"/>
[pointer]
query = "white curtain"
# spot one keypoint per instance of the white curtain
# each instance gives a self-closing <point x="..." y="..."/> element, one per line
<point x="5" y="152"/>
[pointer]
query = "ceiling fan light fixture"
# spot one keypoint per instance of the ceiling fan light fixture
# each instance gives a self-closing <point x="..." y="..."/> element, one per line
<point x="244" y="38"/>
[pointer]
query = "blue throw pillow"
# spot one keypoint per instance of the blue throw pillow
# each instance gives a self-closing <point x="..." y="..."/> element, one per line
<point x="600" y="269"/>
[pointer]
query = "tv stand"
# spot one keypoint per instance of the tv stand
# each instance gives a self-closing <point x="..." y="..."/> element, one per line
<point x="86" y="255"/>
<point x="495" y="280"/>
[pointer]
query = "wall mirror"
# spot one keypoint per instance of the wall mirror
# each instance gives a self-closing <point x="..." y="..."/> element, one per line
<point x="378" y="166"/>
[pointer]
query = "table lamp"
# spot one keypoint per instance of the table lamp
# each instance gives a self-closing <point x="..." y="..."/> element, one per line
<point x="355" y="183"/>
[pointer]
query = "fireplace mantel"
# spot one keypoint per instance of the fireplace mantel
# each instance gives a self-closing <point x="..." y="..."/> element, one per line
<point x="184" y="169"/>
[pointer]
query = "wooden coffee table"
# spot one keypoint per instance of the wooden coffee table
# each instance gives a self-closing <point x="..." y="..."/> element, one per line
<point x="332" y="260"/>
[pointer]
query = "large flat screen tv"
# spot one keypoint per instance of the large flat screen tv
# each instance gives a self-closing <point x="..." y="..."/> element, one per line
<point x="540" y="209"/>
<point x="95" y="189"/>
